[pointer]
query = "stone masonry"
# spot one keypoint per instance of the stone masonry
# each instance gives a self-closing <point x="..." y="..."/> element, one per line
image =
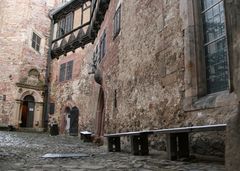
<point x="18" y="20"/>
<point x="149" y="76"/>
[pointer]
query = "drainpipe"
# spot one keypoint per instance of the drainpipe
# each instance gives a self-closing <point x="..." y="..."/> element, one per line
<point x="47" y="81"/>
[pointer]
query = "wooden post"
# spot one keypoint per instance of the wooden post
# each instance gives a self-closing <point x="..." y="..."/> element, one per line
<point x="144" y="144"/>
<point x="114" y="144"/>
<point x="135" y="144"/>
<point x="183" y="145"/>
<point x="139" y="144"/>
<point x="172" y="146"/>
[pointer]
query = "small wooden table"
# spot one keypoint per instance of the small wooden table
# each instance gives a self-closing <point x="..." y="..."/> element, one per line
<point x="86" y="136"/>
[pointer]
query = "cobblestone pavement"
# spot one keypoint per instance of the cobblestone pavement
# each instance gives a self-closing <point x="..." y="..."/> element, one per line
<point x="23" y="151"/>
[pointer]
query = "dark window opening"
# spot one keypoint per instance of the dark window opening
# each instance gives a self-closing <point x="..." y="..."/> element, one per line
<point x="115" y="99"/>
<point x="52" y="108"/>
<point x="102" y="46"/>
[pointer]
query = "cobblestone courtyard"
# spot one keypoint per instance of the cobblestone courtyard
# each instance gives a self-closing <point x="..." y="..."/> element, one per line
<point x="23" y="151"/>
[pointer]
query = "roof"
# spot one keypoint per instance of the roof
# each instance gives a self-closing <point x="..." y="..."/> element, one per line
<point x="65" y="8"/>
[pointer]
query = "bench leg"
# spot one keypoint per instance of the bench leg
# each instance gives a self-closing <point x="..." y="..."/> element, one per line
<point x="139" y="144"/>
<point x="177" y="146"/>
<point x="172" y="146"/>
<point x="114" y="144"/>
<point x="183" y="145"/>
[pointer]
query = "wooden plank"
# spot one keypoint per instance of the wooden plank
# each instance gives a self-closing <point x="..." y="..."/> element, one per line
<point x="128" y="133"/>
<point x="217" y="127"/>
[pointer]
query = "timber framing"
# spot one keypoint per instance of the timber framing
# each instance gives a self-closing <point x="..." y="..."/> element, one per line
<point x="82" y="34"/>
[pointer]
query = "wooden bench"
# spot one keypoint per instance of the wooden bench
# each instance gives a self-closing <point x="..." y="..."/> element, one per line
<point x="139" y="142"/>
<point x="177" y="140"/>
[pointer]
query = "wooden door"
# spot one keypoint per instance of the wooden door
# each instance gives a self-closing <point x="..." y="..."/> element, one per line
<point x="74" y="114"/>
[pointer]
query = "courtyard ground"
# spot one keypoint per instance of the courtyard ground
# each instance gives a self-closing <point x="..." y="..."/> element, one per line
<point x="24" y="151"/>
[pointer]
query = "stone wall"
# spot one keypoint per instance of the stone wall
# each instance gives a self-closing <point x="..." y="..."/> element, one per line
<point x="18" y="20"/>
<point x="149" y="76"/>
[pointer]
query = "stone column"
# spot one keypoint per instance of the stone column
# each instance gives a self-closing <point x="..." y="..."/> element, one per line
<point x="16" y="118"/>
<point x="232" y="157"/>
<point x="38" y="114"/>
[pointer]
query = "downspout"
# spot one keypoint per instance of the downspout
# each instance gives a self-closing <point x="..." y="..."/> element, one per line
<point x="47" y="78"/>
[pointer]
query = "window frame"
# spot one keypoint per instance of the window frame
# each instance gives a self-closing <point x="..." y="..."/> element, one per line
<point x="65" y="25"/>
<point x="62" y="72"/>
<point x="66" y="71"/>
<point x="204" y="44"/>
<point x="36" y="42"/>
<point x="200" y="84"/>
<point x="69" y="70"/>
<point x="103" y="46"/>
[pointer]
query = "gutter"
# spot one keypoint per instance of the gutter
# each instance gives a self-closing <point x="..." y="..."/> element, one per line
<point x="47" y="79"/>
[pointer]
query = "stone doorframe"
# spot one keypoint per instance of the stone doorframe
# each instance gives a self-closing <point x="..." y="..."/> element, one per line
<point x="38" y="111"/>
<point x="63" y="120"/>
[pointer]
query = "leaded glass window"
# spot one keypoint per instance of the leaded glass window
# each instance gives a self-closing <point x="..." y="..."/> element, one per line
<point x="215" y="45"/>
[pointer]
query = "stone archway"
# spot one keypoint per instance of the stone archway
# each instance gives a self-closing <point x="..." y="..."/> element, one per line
<point x="65" y="120"/>
<point x="29" y="110"/>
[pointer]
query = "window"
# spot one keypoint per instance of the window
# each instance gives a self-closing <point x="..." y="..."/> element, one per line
<point x="215" y="45"/>
<point x="102" y="46"/>
<point x="96" y="56"/>
<point x="52" y="108"/>
<point x="66" y="71"/>
<point x="69" y="70"/>
<point x="69" y="22"/>
<point x="62" y="72"/>
<point x="65" y="25"/>
<point x="117" y="22"/>
<point x="36" y="40"/>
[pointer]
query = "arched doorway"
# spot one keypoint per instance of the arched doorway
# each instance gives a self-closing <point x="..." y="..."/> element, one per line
<point x="66" y="120"/>
<point x="27" y="113"/>
<point x="74" y="114"/>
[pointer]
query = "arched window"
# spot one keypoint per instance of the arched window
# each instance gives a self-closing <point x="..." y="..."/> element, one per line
<point x="34" y="73"/>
